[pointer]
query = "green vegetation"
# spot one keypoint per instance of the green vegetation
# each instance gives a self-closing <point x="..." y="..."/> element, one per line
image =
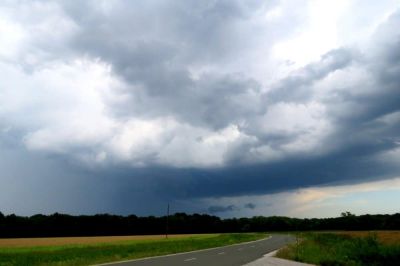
<point x="58" y="225"/>
<point x="336" y="249"/>
<point x="100" y="253"/>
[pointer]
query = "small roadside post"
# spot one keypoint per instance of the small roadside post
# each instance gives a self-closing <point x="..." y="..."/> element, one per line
<point x="166" y="222"/>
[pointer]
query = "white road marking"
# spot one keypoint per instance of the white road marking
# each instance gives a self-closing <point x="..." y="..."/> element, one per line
<point x="253" y="246"/>
<point x="240" y="249"/>
<point x="190" y="259"/>
<point x="221" y="253"/>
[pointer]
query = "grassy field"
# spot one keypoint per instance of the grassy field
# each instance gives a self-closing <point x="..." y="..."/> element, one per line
<point x="100" y="252"/>
<point x="346" y="248"/>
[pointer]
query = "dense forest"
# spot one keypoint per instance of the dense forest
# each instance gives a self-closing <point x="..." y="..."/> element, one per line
<point x="179" y="223"/>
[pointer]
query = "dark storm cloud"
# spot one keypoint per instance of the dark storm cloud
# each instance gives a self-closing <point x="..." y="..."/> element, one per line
<point x="183" y="60"/>
<point x="41" y="183"/>
<point x="348" y="167"/>
<point x="361" y="134"/>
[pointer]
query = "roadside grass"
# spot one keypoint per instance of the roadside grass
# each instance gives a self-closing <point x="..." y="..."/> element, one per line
<point x="330" y="249"/>
<point x="108" y="252"/>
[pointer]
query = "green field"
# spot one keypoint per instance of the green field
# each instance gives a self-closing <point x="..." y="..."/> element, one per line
<point x="107" y="252"/>
<point x="343" y="249"/>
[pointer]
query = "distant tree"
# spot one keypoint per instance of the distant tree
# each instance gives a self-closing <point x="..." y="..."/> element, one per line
<point x="347" y="214"/>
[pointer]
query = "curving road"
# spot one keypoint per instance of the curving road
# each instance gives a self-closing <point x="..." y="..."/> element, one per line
<point x="238" y="254"/>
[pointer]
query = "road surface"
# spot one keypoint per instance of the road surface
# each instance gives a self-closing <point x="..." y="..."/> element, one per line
<point x="238" y="254"/>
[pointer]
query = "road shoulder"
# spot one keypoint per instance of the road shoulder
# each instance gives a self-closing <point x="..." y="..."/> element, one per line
<point x="270" y="260"/>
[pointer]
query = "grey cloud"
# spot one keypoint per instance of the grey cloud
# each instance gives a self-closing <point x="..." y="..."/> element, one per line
<point x="250" y="205"/>
<point x="219" y="209"/>
<point x="211" y="101"/>
<point x="183" y="26"/>
<point x="356" y="113"/>
<point x="156" y="47"/>
<point x="361" y="114"/>
<point x="296" y="87"/>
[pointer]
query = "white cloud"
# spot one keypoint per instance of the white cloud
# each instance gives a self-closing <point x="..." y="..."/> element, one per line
<point x="59" y="107"/>
<point x="165" y="141"/>
<point x="34" y="33"/>
<point x="305" y="125"/>
<point x="319" y="35"/>
<point x="11" y="38"/>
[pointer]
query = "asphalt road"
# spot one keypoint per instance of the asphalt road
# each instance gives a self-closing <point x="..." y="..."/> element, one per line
<point x="238" y="254"/>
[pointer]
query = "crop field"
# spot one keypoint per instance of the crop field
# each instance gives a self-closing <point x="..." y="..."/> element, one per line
<point x="385" y="237"/>
<point x="61" y="241"/>
<point x="88" y="251"/>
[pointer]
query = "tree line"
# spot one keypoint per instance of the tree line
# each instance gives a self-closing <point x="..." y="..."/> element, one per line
<point x="180" y="223"/>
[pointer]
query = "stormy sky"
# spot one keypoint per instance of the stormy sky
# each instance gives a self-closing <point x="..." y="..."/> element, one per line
<point x="231" y="108"/>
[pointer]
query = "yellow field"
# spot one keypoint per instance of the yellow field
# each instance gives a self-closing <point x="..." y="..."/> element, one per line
<point x="59" y="241"/>
<point x="386" y="237"/>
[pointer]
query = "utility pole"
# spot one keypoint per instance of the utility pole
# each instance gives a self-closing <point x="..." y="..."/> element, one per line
<point x="166" y="225"/>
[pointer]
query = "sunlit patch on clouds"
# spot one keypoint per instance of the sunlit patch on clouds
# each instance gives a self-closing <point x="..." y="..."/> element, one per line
<point x="319" y="36"/>
<point x="327" y="201"/>
<point x="231" y="98"/>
